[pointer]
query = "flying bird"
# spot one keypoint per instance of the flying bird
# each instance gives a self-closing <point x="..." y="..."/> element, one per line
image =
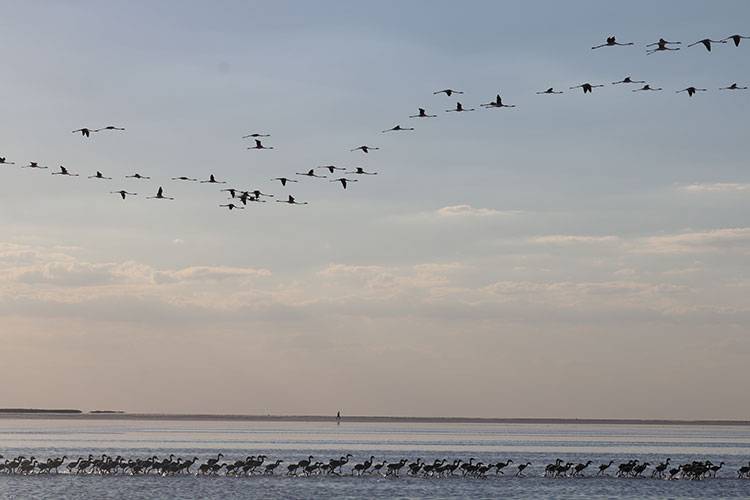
<point x="611" y="42"/>
<point x="232" y="206"/>
<point x="587" y="87"/>
<point x="99" y="175"/>
<point x="497" y="103"/>
<point x="255" y="136"/>
<point x="361" y="171"/>
<point x="550" y="90"/>
<point x="231" y="191"/>
<point x="422" y="114"/>
<point x="212" y="180"/>
<point x="109" y="127"/>
<point x="364" y="149"/>
<point x="627" y="79"/>
<point x="137" y="176"/>
<point x="736" y="39"/>
<point x="183" y="178"/>
<point x="733" y="87"/>
<point x="397" y="128"/>
<point x="311" y="173"/>
<point x="160" y="195"/>
<point x="33" y="164"/>
<point x="448" y="92"/>
<point x="459" y="108"/>
<point x="4" y="161"/>
<point x="343" y="180"/>
<point x="292" y="201"/>
<point x="707" y="43"/>
<point x="283" y="180"/>
<point x="691" y="91"/>
<point x="64" y="171"/>
<point x="123" y="193"/>
<point x="259" y="145"/>
<point x="331" y="168"/>
<point x="647" y="87"/>
<point x="661" y="45"/>
<point x="86" y="132"/>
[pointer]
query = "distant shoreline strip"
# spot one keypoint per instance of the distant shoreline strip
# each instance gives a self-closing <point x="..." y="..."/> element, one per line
<point x="107" y="415"/>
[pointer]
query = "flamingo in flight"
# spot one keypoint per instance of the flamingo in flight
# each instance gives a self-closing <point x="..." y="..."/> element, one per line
<point x="160" y="195"/>
<point x="231" y="191"/>
<point x="255" y="136"/>
<point x="258" y="193"/>
<point x="137" y="176"/>
<point x="64" y="171"/>
<point x="99" y="175"/>
<point x="365" y="149"/>
<point x="343" y="180"/>
<point x="292" y="201"/>
<point x="232" y="206"/>
<point x="331" y="168"/>
<point x="661" y="46"/>
<point x="611" y="42"/>
<point x="422" y="114"/>
<point x="587" y="87"/>
<point x="497" y="103"/>
<point x="459" y="108"/>
<point x="183" y="178"/>
<point x="283" y="180"/>
<point x="733" y="87"/>
<point x="212" y="180"/>
<point x="108" y="127"/>
<point x="86" y="132"/>
<point x="691" y="91"/>
<point x="4" y="161"/>
<point x="259" y="145"/>
<point x="736" y="39"/>
<point x="647" y="87"/>
<point x="707" y="43"/>
<point x="448" y="92"/>
<point x="627" y="79"/>
<point x="550" y="90"/>
<point x="245" y="197"/>
<point x="123" y="193"/>
<point x="361" y="171"/>
<point x="311" y="173"/>
<point x="398" y="128"/>
<point x="33" y="164"/>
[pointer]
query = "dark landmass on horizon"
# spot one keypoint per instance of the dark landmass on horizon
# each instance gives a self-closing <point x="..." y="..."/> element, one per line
<point x="121" y="415"/>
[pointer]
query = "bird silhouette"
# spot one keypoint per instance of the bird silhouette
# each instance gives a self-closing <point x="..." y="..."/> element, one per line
<point x="64" y="171"/>
<point x="259" y="145"/>
<point x="587" y="87"/>
<point x="331" y="168"/>
<point x="459" y="108"/>
<point x="661" y="45"/>
<point x="33" y="164"/>
<point x="422" y="114"/>
<point x="232" y="192"/>
<point x="137" y="176"/>
<point x="283" y="180"/>
<point x="4" y="161"/>
<point x="448" y="92"/>
<point x="733" y="87"/>
<point x="706" y="42"/>
<point x="611" y="42"/>
<point x="212" y="180"/>
<point x="343" y="180"/>
<point x="497" y="103"/>
<point x="109" y="127"/>
<point x="99" y="175"/>
<point x="311" y="173"/>
<point x="123" y="193"/>
<point x="255" y="136"/>
<point x="627" y="79"/>
<point x="292" y="201"/>
<point x="86" y="132"/>
<point x="160" y="195"/>
<point x="183" y="178"/>
<point x="691" y="91"/>
<point x="365" y="149"/>
<point x="736" y="39"/>
<point x="550" y="90"/>
<point x="232" y="206"/>
<point x="397" y="128"/>
<point x="647" y="87"/>
<point x="361" y="171"/>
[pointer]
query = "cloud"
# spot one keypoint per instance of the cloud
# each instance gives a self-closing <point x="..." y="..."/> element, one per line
<point x="716" y="187"/>
<point x="715" y="240"/>
<point x="572" y="239"/>
<point x="469" y="211"/>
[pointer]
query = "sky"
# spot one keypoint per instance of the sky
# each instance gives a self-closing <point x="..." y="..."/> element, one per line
<point x="576" y="256"/>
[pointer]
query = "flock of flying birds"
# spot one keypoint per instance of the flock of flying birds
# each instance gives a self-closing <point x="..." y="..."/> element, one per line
<point x="238" y="198"/>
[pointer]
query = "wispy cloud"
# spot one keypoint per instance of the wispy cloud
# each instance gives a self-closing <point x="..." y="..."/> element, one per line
<point x="470" y="211"/>
<point x="715" y="240"/>
<point x="570" y="239"/>
<point x="715" y="187"/>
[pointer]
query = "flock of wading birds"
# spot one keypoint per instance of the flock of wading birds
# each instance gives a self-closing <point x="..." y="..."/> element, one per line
<point x="238" y="195"/>
<point x="438" y="468"/>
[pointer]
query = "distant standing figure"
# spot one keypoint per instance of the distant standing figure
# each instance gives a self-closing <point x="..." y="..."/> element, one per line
<point x="338" y="418"/>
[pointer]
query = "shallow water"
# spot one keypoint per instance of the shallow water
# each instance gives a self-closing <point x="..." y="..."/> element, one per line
<point x="539" y="444"/>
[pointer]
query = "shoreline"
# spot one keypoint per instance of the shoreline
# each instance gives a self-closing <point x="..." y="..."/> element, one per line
<point x="361" y="419"/>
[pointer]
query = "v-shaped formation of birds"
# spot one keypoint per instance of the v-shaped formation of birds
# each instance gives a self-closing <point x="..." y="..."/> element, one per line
<point x="238" y="198"/>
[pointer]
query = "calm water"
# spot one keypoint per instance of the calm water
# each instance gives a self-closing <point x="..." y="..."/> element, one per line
<point x="539" y="444"/>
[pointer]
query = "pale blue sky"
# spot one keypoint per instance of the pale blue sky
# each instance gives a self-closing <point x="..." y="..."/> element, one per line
<point x="573" y="237"/>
